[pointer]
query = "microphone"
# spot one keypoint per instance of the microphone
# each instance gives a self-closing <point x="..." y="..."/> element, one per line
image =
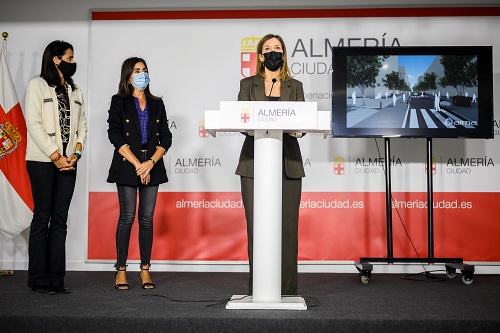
<point x="274" y="81"/>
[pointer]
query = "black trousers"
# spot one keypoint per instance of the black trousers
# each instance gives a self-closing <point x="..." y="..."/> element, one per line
<point x="52" y="193"/>
<point x="292" y="188"/>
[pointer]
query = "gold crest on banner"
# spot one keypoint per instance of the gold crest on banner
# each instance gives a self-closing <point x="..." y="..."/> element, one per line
<point x="9" y="138"/>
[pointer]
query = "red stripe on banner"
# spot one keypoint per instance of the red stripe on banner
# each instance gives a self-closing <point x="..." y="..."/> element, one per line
<point x="332" y="226"/>
<point x="13" y="163"/>
<point x="355" y="226"/>
<point x="294" y="13"/>
<point x="187" y="226"/>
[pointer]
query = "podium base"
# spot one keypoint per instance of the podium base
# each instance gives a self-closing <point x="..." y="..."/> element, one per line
<point x="243" y="302"/>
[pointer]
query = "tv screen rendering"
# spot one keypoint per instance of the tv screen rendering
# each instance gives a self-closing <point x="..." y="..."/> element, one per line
<point x="412" y="91"/>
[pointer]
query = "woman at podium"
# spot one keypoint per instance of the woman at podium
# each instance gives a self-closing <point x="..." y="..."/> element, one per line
<point x="273" y="82"/>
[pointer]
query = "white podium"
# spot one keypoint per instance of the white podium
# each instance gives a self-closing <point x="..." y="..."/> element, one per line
<point x="268" y="121"/>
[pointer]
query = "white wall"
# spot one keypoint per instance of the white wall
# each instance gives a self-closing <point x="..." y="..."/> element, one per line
<point x="30" y="30"/>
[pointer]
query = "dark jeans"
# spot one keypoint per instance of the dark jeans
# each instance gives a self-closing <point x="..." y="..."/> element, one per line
<point x="127" y="197"/>
<point x="52" y="191"/>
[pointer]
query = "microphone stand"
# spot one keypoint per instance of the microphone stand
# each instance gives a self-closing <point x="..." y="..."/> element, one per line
<point x="270" y="91"/>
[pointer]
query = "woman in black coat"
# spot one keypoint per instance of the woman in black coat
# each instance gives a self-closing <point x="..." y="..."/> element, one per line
<point x="138" y="129"/>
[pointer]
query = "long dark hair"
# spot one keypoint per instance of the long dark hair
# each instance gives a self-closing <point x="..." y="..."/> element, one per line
<point x="49" y="70"/>
<point x="125" y="88"/>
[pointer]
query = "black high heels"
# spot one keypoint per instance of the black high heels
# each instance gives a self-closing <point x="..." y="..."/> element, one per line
<point x="121" y="286"/>
<point x="146" y="285"/>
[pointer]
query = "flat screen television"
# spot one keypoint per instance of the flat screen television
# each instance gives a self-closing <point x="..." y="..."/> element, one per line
<point x="413" y="91"/>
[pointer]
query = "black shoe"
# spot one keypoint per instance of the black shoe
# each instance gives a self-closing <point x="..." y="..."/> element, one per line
<point x="146" y="285"/>
<point x="43" y="290"/>
<point x="121" y="286"/>
<point x="61" y="290"/>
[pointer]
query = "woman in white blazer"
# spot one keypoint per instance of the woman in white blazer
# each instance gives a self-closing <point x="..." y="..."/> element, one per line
<point x="57" y="130"/>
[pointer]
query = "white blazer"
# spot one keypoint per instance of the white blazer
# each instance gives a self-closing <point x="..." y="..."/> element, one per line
<point x="42" y="121"/>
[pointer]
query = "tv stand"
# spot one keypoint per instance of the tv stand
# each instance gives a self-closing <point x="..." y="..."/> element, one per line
<point x="365" y="266"/>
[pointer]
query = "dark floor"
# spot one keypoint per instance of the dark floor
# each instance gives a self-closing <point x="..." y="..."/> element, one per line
<point x="195" y="302"/>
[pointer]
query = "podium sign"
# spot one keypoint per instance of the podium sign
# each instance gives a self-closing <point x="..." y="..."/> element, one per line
<point x="268" y="121"/>
<point x="266" y="115"/>
<point x="241" y="116"/>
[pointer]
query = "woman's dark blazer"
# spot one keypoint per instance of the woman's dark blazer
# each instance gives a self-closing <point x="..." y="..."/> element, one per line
<point x="124" y="129"/>
<point x="252" y="89"/>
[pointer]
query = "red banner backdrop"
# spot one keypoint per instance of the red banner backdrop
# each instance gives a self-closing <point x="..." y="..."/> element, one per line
<point x="197" y="222"/>
<point x="333" y="226"/>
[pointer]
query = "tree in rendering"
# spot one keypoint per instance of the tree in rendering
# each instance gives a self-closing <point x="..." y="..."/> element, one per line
<point x="460" y="72"/>
<point x="362" y="71"/>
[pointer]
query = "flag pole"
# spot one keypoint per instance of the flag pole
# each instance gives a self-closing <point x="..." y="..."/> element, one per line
<point x="6" y="272"/>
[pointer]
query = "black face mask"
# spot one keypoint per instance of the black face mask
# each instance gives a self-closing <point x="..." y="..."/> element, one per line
<point x="273" y="60"/>
<point x="67" y="69"/>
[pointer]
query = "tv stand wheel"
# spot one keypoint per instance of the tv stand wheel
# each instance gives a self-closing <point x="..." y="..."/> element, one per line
<point x="365" y="277"/>
<point x="467" y="279"/>
<point x="450" y="272"/>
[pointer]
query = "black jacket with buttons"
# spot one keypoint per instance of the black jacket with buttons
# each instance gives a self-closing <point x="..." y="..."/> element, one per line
<point x="124" y="129"/>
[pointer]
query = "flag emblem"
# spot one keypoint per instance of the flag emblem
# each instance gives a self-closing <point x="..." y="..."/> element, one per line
<point x="202" y="132"/>
<point x="245" y="115"/>
<point x="434" y="168"/>
<point x="8" y="142"/>
<point x="338" y="166"/>
<point x="248" y="55"/>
